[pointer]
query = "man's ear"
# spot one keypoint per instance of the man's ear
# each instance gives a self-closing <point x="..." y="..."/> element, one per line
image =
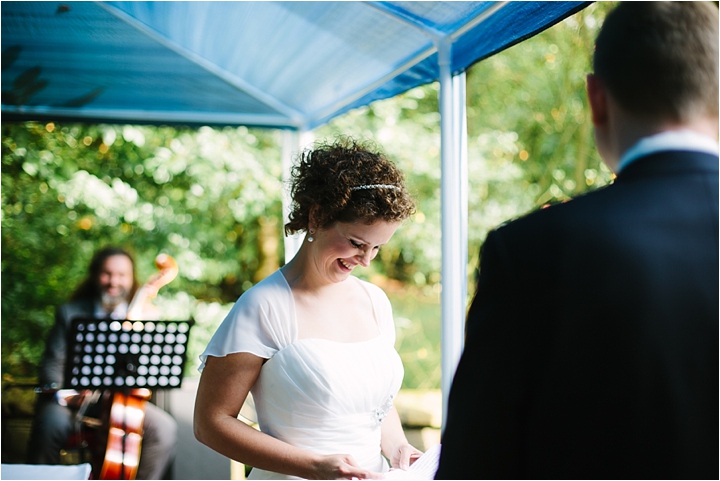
<point x="597" y="96"/>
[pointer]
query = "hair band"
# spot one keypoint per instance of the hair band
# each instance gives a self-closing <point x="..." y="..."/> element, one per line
<point x="375" y="186"/>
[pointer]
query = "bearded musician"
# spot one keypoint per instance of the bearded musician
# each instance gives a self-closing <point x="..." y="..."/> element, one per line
<point x="107" y="292"/>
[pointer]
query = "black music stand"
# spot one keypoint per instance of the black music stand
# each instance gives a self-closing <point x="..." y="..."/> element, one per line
<point x="119" y="355"/>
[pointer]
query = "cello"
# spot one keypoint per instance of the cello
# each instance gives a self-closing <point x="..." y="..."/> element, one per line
<point x="123" y="411"/>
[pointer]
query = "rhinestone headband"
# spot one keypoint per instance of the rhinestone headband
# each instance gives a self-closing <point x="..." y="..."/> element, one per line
<point x="375" y="186"/>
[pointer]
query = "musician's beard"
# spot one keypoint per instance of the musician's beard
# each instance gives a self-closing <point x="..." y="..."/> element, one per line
<point x="110" y="301"/>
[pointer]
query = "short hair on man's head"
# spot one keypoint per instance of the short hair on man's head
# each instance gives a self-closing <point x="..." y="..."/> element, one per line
<point x="346" y="181"/>
<point x="660" y="59"/>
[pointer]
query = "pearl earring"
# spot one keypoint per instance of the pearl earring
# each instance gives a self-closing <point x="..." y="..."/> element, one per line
<point x="310" y="237"/>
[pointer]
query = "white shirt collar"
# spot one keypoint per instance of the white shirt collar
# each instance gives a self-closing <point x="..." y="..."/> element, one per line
<point x="687" y="140"/>
<point x="120" y="311"/>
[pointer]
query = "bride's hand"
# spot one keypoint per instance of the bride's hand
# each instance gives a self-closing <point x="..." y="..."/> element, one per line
<point x="403" y="456"/>
<point x="342" y="466"/>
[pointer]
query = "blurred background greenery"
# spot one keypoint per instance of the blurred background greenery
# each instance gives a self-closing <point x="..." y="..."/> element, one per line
<point x="211" y="197"/>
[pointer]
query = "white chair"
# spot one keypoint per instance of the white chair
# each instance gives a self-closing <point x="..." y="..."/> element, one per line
<point x="44" y="471"/>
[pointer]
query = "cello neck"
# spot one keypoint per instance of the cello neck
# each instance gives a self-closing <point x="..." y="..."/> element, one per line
<point x="168" y="269"/>
<point x="137" y="305"/>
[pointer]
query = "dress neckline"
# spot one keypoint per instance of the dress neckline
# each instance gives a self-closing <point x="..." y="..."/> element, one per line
<point x="340" y="343"/>
<point x="297" y="328"/>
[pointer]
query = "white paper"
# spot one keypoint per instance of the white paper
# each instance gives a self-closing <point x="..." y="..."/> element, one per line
<point x="424" y="468"/>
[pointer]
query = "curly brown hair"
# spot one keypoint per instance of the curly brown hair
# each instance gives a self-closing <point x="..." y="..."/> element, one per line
<point x="326" y="178"/>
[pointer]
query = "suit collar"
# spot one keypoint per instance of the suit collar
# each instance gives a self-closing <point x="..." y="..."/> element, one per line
<point x="670" y="163"/>
<point x="676" y="140"/>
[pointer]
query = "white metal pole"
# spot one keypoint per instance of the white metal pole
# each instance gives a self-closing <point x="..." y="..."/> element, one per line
<point x="452" y="302"/>
<point x="460" y="102"/>
<point x="290" y="147"/>
<point x="293" y="142"/>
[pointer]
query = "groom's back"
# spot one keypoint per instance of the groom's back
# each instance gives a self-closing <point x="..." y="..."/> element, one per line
<point x="623" y="333"/>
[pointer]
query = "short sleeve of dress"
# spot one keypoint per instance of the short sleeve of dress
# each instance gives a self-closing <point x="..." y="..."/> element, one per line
<point x="261" y="322"/>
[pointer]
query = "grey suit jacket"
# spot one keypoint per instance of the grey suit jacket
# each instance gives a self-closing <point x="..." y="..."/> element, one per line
<point x="52" y="367"/>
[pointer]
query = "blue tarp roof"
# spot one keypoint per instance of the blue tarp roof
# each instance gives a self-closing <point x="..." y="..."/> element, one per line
<point x="275" y="64"/>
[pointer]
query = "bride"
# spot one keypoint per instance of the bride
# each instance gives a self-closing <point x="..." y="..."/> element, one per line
<point x="313" y="343"/>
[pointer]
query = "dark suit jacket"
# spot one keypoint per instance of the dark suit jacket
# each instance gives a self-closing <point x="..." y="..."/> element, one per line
<point x="592" y="341"/>
<point x="52" y="367"/>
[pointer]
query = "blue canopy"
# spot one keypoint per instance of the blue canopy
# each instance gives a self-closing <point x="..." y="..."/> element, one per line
<point x="276" y="64"/>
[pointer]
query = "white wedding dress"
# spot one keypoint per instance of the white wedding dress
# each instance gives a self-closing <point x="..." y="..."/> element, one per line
<point x="324" y="396"/>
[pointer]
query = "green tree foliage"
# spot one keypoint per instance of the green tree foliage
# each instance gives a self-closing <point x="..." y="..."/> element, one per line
<point x="529" y="120"/>
<point x="208" y="197"/>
